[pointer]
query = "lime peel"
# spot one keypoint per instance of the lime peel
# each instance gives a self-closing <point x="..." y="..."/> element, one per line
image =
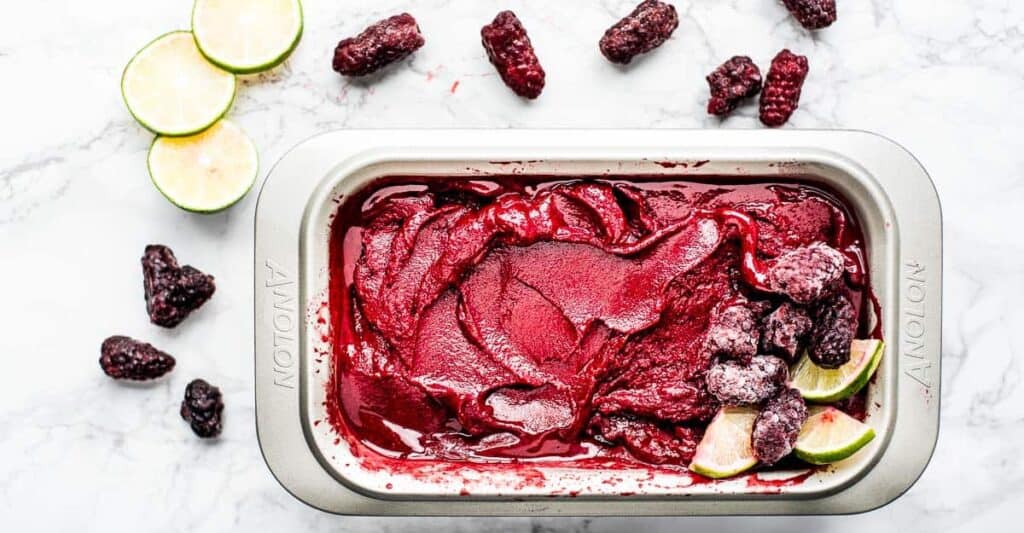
<point x="726" y="449"/>
<point x="247" y="36"/>
<point x="830" y="436"/>
<point x="172" y="90"/>
<point x="206" y="172"/>
<point x="823" y="385"/>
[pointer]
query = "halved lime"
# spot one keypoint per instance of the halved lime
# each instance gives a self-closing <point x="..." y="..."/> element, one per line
<point x="725" y="449"/>
<point x="207" y="172"/>
<point x="830" y="435"/>
<point x="246" y="36"/>
<point x="824" y="385"/>
<point x="171" y="89"/>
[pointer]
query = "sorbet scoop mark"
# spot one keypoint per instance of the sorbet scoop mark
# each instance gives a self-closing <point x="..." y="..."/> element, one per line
<point x="508" y="319"/>
<point x="754" y="271"/>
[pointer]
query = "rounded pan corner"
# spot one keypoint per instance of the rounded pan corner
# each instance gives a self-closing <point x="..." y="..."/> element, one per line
<point x="876" y="493"/>
<point x="881" y="499"/>
<point x="890" y="148"/>
<point x="276" y="473"/>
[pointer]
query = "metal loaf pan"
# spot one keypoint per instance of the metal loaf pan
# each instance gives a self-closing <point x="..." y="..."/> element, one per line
<point x="885" y="186"/>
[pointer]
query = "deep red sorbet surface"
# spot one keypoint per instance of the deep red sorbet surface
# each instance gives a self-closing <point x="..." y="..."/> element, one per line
<point x="508" y="319"/>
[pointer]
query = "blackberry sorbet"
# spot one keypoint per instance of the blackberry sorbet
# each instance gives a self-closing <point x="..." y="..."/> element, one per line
<point x="514" y="318"/>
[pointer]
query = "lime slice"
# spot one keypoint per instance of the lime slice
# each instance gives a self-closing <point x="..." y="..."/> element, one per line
<point x="207" y="172"/>
<point x="823" y="385"/>
<point x="725" y="449"/>
<point x="246" y="36"/>
<point x="830" y="435"/>
<point x="171" y="89"/>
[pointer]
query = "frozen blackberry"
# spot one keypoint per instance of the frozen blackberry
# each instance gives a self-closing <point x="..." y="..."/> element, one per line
<point x="778" y="425"/>
<point x="785" y="330"/>
<point x="807" y="274"/>
<point x="646" y="440"/>
<point x="835" y="325"/>
<point x="782" y="88"/>
<point x="379" y="45"/>
<point x="510" y="51"/>
<point x="733" y="333"/>
<point x="172" y="292"/>
<point x="643" y="30"/>
<point x="203" y="408"/>
<point x="730" y="83"/>
<point x="734" y="383"/>
<point x="126" y="358"/>
<point x="812" y="14"/>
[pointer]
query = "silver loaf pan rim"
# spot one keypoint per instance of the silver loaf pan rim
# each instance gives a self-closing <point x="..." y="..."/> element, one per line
<point x="887" y="188"/>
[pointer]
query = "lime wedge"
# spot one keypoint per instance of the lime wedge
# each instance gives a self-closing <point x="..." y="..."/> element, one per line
<point x="207" y="172"/>
<point x="725" y="449"/>
<point x="830" y="435"/>
<point x="246" y="36"/>
<point x="171" y="89"/>
<point x="823" y="385"/>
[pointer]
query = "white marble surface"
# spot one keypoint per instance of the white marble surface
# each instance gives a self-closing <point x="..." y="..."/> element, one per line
<point x="78" y="451"/>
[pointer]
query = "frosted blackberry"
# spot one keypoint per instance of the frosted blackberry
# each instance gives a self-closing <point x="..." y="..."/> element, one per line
<point x="172" y="292"/>
<point x="732" y="82"/>
<point x="379" y="45"/>
<point x="203" y="408"/>
<point x="807" y="274"/>
<point x="643" y="30"/>
<point x="733" y="333"/>
<point x="511" y="52"/>
<point x="645" y="439"/>
<point x="126" y="358"/>
<point x="835" y="325"/>
<point x="812" y="14"/>
<point x="785" y="330"/>
<point x="782" y="88"/>
<point x="778" y="425"/>
<point x="735" y="383"/>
